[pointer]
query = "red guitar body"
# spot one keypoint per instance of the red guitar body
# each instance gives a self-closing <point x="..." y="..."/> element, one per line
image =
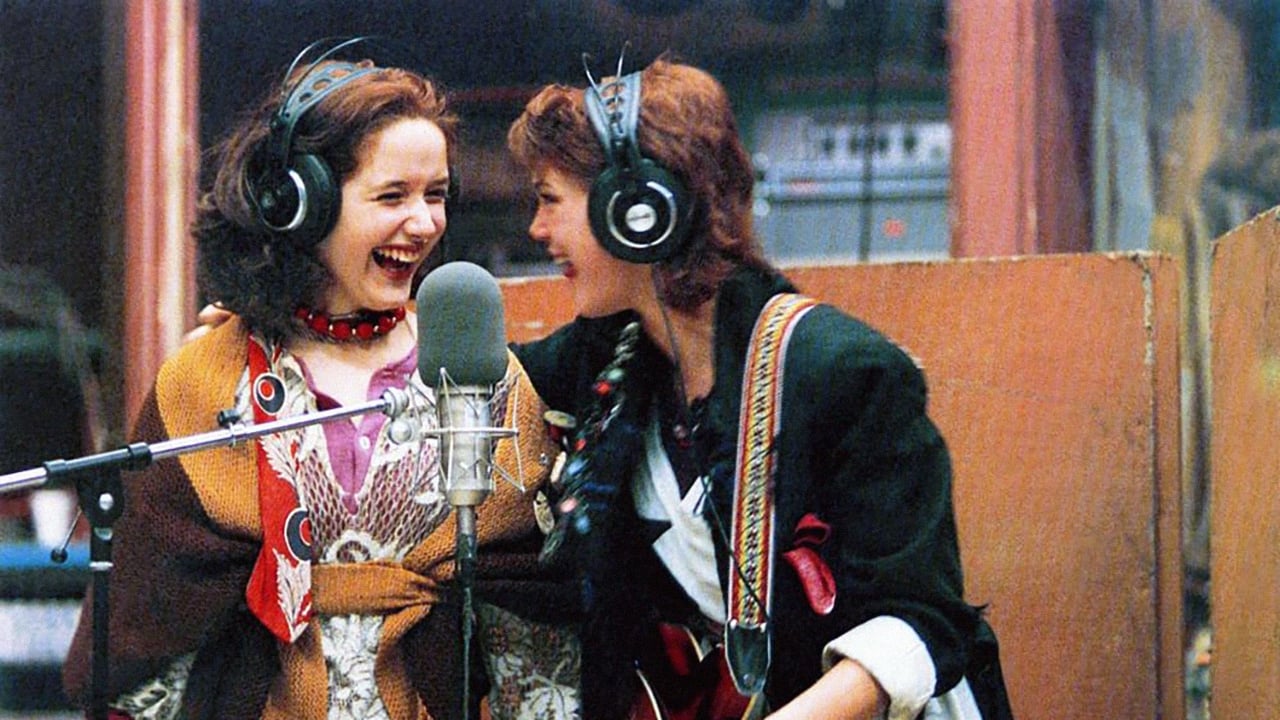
<point x="693" y="686"/>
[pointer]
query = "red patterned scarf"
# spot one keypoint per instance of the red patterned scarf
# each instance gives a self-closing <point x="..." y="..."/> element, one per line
<point x="279" y="590"/>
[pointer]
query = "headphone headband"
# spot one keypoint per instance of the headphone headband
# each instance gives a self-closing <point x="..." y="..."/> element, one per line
<point x="313" y="87"/>
<point x="297" y="194"/>
<point x="638" y="210"/>
<point x="613" y="118"/>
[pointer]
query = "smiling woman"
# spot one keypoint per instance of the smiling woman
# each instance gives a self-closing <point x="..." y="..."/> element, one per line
<point x="310" y="574"/>
<point x="393" y="216"/>
<point x="777" y="544"/>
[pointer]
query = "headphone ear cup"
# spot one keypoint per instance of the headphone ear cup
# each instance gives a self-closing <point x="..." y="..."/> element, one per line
<point x="301" y="202"/>
<point x="639" y="214"/>
<point x="276" y="195"/>
<point x="322" y="199"/>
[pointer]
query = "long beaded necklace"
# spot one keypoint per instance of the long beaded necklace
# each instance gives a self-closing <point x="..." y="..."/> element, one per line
<point x="577" y="486"/>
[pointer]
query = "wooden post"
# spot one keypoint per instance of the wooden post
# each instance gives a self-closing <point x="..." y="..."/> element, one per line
<point x="161" y="164"/>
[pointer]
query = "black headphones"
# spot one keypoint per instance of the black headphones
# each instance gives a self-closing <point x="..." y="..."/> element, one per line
<point x="639" y="211"/>
<point x="296" y="194"/>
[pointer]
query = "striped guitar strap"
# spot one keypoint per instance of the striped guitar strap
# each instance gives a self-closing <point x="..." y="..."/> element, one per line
<point x="746" y="641"/>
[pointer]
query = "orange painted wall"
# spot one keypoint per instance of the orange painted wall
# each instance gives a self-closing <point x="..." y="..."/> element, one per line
<point x="1054" y="379"/>
<point x="1245" y="465"/>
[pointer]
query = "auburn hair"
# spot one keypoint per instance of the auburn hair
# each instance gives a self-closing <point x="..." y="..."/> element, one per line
<point x="264" y="276"/>
<point x="687" y="126"/>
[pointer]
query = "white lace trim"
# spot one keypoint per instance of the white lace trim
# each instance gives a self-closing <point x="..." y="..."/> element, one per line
<point x="161" y="697"/>
<point x="350" y="645"/>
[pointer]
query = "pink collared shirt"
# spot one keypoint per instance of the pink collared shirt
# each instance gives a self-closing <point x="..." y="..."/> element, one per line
<point x="350" y="446"/>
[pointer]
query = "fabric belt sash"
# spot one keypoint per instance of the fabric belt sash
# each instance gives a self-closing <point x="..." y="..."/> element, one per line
<point x="375" y="588"/>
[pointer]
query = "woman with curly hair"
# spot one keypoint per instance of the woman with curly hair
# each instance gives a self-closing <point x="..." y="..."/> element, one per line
<point x="309" y="573"/>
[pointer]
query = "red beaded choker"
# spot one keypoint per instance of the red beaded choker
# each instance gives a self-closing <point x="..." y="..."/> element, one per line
<point x="358" y="326"/>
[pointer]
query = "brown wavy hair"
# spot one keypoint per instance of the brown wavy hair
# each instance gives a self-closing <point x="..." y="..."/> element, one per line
<point x="686" y="125"/>
<point x="264" y="276"/>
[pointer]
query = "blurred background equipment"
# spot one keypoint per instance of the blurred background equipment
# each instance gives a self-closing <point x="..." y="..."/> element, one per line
<point x="49" y="409"/>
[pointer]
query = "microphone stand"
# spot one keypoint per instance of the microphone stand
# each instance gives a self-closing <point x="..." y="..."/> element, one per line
<point x="102" y="500"/>
<point x="461" y="458"/>
<point x="466" y="559"/>
<point x="465" y="461"/>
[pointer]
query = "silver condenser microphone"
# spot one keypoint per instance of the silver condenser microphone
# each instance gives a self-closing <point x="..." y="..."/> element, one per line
<point x="462" y="351"/>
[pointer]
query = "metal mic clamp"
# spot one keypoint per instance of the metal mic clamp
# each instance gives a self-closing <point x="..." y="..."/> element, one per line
<point x="401" y="429"/>
<point x="466" y="444"/>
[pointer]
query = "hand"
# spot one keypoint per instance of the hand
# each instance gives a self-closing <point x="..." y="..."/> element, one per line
<point x="209" y="317"/>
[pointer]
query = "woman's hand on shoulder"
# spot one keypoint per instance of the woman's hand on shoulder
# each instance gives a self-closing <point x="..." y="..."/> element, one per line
<point x="209" y="317"/>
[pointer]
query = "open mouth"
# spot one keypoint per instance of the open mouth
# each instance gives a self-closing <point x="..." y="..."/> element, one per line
<point x="394" y="259"/>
